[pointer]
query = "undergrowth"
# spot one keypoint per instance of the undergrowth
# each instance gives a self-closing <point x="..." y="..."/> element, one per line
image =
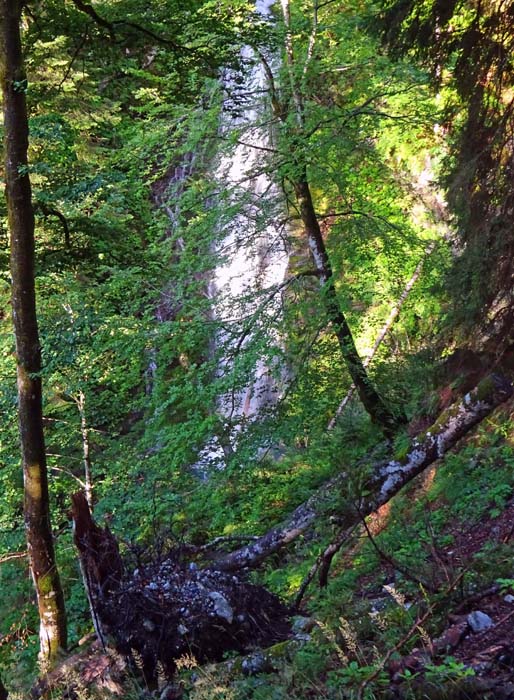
<point x="378" y="591"/>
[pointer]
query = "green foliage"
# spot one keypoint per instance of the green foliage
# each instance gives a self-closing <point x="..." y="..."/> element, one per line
<point x="449" y="670"/>
<point x="130" y="224"/>
<point x="463" y="45"/>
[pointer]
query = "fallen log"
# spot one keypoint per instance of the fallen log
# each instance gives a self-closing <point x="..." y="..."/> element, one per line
<point x="384" y="481"/>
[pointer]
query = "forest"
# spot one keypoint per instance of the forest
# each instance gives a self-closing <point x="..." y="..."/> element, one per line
<point x="257" y="350"/>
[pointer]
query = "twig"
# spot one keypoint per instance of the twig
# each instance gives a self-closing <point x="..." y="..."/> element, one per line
<point x="477" y="597"/>
<point x="51" y="211"/>
<point x="76" y="53"/>
<point x="70" y="474"/>
<point x="413" y="629"/>
<point x="13" y="555"/>
<point x="111" y="27"/>
<point x="398" y="567"/>
<point x="330" y="551"/>
<point x="385" y="329"/>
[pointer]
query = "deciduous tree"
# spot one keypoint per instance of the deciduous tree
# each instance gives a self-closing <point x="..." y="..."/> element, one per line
<point x="289" y="106"/>
<point x="28" y="354"/>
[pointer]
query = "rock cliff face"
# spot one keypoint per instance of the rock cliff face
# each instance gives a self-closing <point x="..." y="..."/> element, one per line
<point x="247" y="284"/>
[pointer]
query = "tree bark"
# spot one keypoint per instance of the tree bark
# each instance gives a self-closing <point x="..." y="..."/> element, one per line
<point x="372" y="402"/>
<point x="99" y="558"/>
<point x="385" y="480"/>
<point x="80" y="400"/>
<point x="28" y="355"/>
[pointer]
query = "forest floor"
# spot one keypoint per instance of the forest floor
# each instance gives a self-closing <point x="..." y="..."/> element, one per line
<point x="419" y="606"/>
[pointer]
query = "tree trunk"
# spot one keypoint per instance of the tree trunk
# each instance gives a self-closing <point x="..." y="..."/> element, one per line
<point x="386" y="479"/>
<point x="372" y="402"/>
<point x="99" y="558"/>
<point x="86" y="452"/>
<point x="28" y="355"/>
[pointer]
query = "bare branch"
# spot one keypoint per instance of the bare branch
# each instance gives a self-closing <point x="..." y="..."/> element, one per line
<point x="111" y="27"/>
<point x="70" y="474"/>
<point x="312" y="39"/>
<point x="51" y="211"/>
<point x="90" y="11"/>
<point x="13" y="555"/>
<point x="325" y="556"/>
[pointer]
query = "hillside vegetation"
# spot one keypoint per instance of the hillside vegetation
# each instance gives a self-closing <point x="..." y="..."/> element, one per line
<point x="256" y="306"/>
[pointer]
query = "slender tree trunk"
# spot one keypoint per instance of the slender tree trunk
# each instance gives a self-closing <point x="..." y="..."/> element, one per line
<point x="86" y="453"/>
<point x="372" y="402"/>
<point x="28" y="355"/>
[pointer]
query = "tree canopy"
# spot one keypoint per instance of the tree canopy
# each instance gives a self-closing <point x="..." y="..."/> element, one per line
<point x="244" y="212"/>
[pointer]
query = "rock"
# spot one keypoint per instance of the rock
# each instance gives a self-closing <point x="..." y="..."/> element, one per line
<point x="256" y="663"/>
<point x="452" y="637"/>
<point x="171" y="692"/>
<point x="149" y="625"/>
<point x="378" y="605"/>
<point x="509" y="598"/>
<point x="479" y="621"/>
<point x="303" y="637"/>
<point x="481" y="668"/>
<point x="222" y="607"/>
<point x="302" y="624"/>
<point x="415" y="662"/>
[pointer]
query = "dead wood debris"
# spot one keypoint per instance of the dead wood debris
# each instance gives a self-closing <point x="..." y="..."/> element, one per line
<point x="162" y="612"/>
<point x="166" y="609"/>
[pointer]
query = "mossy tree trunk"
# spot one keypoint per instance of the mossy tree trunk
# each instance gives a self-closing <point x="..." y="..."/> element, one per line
<point x="292" y="102"/>
<point x="384" y="481"/>
<point x="28" y="354"/>
<point x="371" y="400"/>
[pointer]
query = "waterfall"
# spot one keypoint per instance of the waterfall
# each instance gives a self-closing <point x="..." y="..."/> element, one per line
<point x="245" y="288"/>
<point x="254" y="253"/>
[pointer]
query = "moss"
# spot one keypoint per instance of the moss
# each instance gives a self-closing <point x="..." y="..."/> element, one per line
<point x="484" y="389"/>
<point x="45" y="584"/>
<point x="402" y="447"/>
<point x="281" y="651"/>
<point x="438" y="425"/>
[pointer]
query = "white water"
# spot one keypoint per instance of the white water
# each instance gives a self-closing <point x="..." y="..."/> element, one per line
<point x="247" y="283"/>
